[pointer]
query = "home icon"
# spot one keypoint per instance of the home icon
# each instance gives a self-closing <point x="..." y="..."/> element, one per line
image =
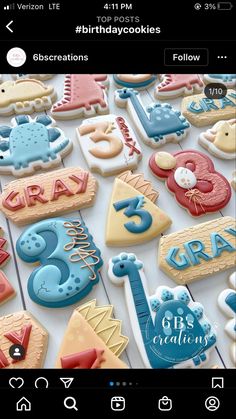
<point x="23" y="405"/>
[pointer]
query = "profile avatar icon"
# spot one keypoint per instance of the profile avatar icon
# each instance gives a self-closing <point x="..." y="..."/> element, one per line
<point x="17" y="352"/>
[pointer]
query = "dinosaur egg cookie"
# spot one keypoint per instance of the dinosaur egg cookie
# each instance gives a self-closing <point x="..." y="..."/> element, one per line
<point x="30" y="144"/>
<point x="109" y="144"/>
<point x="23" y="329"/>
<point x="25" y="96"/>
<point x="92" y="339"/>
<point x="27" y="200"/>
<point x="229" y="80"/>
<point x="84" y="96"/>
<point x="135" y="81"/>
<point x="158" y="124"/>
<point x="195" y="183"/>
<point x="220" y="140"/>
<point x="170" y="329"/>
<point x="199" y="251"/>
<point x="227" y="303"/>
<point x="133" y="217"/>
<point x="201" y="110"/>
<point x="175" y="85"/>
<point x="69" y="261"/>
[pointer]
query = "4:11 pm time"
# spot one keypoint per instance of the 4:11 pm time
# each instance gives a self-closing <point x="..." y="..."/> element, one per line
<point x="118" y="6"/>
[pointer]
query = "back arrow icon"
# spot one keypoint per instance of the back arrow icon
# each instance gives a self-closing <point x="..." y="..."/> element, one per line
<point x="8" y="26"/>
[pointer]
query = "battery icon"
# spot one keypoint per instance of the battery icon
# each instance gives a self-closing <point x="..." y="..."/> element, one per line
<point x="224" y="5"/>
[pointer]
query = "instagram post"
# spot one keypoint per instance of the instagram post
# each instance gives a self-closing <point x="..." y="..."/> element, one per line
<point x="117" y="209"/>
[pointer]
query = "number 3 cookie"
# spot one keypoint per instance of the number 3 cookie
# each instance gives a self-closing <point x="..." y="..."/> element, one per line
<point x="109" y="144"/>
<point x="170" y="329"/>
<point x="69" y="258"/>
<point x="192" y="178"/>
<point x="133" y="218"/>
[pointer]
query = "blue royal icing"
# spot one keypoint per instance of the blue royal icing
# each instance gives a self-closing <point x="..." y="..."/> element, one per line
<point x="206" y="105"/>
<point x="68" y="257"/>
<point x="133" y="208"/>
<point x="135" y="84"/>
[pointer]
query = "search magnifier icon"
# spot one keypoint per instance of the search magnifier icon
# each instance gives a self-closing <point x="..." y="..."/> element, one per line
<point x="70" y="403"/>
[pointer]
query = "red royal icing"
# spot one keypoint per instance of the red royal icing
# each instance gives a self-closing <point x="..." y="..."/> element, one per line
<point x="129" y="141"/>
<point x="3" y="360"/>
<point x="33" y="194"/>
<point x="82" y="91"/>
<point x="6" y="290"/>
<point x="90" y="359"/>
<point x="13" y="201"/>
<point x="81" y="180"/>
<point x="21" y="338"/>
<point x="3" y="254"/>
<point x="177" y="81"/>
<point x="212" y="191"/>
<point x="59" y="188"/>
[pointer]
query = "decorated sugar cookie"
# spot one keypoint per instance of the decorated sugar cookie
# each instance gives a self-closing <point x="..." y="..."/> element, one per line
<point x="84" y="96"/>
<point x="220" y="140"/>
<point x="175" y="85"/>
<point x="25" y="97"/>
<point x="199" y="251"/>
<point x="32" y="76"/>
<point x="23" y="329"/>
<point x="92" y="339"/>
<point x="133" y="217"/>
<point x="202" y="111"/>
<point x="50" y="194"/>
<point x="109" y="144"/>
<point x="4" y="255"/>
<point x="135" y="81"/>
<point x="193" y="180"/>
<point x="158" y="124"/>
<point x="229" y="80"/>
<point x="30" y="144"/>
<point x="6" y="289"/>
<point x="227" y="303"/>
<point x="233" y="181"/>
<point x="69" y="261"/>
<point x="170" y="329"/>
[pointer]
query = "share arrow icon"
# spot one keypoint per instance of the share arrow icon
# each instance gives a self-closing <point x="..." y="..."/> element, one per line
<point x="67" y="381"/>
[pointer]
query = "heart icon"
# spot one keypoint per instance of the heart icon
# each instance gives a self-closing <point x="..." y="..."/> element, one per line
<point x="16" y="382"/>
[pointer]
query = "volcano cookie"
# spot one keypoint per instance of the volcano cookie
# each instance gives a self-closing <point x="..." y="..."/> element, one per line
<point x="70" y="261"/>
<point x="220" y="140"/>
<point x="192" y="178"/>
<point x="92" y="339"/>
<point x="23" y="329"/>
<point x="84" y="96"/>
<point x="200" y="251"/>
<point x="25" y="96"/>
<point x="161" y="341"/>
<point x="133" y="217"/>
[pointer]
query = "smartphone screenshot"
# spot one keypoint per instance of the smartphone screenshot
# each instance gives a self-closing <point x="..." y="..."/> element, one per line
<point x="117" y="208"/>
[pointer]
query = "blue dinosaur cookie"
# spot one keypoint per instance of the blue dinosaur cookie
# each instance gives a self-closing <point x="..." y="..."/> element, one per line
<point x="31" y="144"/>
<point x="158" y="124"/>
<point x="69" y="261"/>
<point x="170" y="329"/>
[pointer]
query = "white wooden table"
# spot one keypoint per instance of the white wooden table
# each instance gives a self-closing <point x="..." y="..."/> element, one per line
<point x="205" y="291"/>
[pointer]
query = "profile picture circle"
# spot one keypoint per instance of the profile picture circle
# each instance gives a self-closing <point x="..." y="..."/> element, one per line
<point x="17" y="352"/>
<point x="16" y="57"/>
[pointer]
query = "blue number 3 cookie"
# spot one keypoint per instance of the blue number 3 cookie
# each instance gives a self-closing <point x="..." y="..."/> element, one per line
<point x="69" y="261"/>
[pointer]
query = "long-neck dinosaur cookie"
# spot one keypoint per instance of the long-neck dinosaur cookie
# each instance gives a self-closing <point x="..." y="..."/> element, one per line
<point x="227" y="303"/>
<point x="50" y="194"/>
<point x="84" y="96"/>
<point x="220" y="140"/>
<point x="199" y="251"/>
<point x="201" y="110"/>
<point x="23" y="329"/>
<point x="229" y="80"/>
<point x="135" y="81"/>
<point x="69" y="261"/>
<point x="158" y="124"/>
<point x="31" y="144"/>
<point x="170" y="329"/>
<point x="192" y="178"/>
<point x="41" y="77"/>
<point x="92" y="339"/>
<point x="133" y="217"/>
<point x="109" y="144"/>
<point x="175" y="85"/>
<point x="25" y="96"/>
